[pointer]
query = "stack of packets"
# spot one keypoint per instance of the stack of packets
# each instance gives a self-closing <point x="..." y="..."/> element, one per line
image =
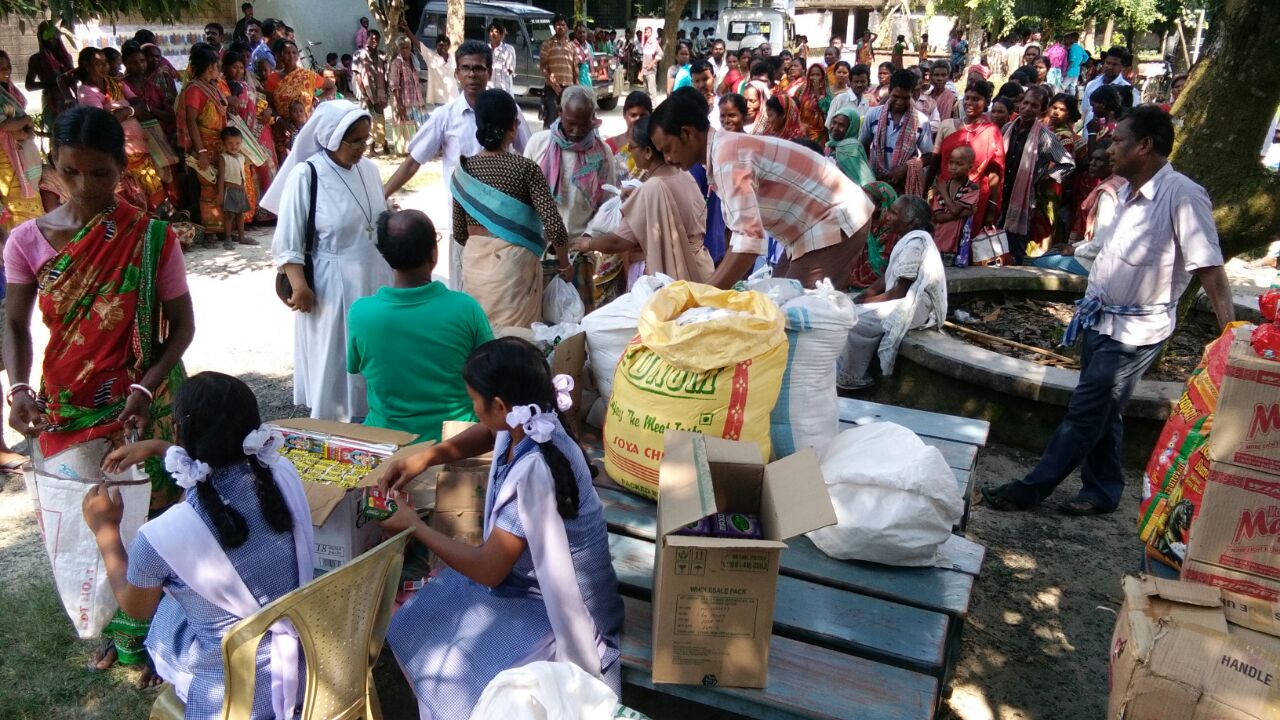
<point x="341" y="462"/>
<point x="733" y="525"/>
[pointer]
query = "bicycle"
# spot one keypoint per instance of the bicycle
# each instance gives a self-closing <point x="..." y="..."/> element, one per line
<point x="309" y="56"/>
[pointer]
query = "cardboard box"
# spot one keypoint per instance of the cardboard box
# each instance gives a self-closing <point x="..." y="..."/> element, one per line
<point x="1246" y="426"/>
<point x="1238" y="526"/>
<point x="1247" y="600"/>
<point x="568" y="358"/>
<point x="335" y="460"/>
<point x="713" y="597"/>
<point x="460" y="495"/>
<point x="1173" y="658"/>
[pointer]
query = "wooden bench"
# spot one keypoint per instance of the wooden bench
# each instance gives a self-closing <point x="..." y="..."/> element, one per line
<point x="847" y="635"/>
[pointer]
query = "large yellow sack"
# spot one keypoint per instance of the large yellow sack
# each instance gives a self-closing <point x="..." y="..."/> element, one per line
<point x="720" y="377"/>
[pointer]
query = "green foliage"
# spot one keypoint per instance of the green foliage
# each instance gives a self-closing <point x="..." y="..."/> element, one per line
<point x="68" y="12"/>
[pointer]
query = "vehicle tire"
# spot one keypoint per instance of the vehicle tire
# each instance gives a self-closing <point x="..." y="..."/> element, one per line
<point x="609" y="103"/>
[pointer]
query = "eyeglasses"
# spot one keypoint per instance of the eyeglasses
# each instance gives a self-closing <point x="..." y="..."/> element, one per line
<point x="473" y="69"/>
<point x="357" y="143"/>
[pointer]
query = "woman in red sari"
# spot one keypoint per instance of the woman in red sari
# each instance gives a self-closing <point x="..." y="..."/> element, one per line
<point x="110" y="286"/>
<point x="814" y="100"/>
<point x="979" y="133"/>
<point x="202" y="114"/>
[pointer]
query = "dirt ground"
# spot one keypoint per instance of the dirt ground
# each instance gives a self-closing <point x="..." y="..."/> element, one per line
<point x="1036" y="643"/>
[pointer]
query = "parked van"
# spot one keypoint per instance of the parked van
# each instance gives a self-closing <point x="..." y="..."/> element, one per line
<point x="527" y="28"/>
<point x="744" y="27"/>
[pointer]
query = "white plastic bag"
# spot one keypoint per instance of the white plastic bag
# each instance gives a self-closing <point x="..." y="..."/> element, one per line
<point x="561" y="303"/>
<point x="546" y="691"/>
<point x="59" y="487"/>
<point x="609" y="216"/>
<point x="807" y="413"/>
<point x="895" y="497"/>
<point x="547" y="337"/>
<point x="611" y="327"/>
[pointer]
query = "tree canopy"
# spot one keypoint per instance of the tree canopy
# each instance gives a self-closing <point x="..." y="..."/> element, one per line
<point x="68" y="12"/>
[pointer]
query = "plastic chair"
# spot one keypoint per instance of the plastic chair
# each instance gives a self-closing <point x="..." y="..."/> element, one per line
<point x="341" y="619"/>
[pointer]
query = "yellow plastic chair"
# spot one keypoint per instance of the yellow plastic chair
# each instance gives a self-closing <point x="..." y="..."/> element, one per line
<point x="341" y="619"/>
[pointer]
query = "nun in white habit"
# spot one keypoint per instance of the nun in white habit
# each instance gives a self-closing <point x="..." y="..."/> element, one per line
<point x="348" y="265"/>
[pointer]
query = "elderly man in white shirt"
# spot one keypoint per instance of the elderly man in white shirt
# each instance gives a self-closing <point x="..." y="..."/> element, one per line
<point x="1163" y="233"/>
<point x="451" y="131"/>
<point x="577" y="162"/>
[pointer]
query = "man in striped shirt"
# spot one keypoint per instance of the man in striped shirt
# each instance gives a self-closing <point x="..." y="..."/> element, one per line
<point x="768" y="187"/>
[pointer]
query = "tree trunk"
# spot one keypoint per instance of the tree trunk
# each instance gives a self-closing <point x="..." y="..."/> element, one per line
<point x="671" y="26"/>
<point x="1106" y="34"/>
<point x="388" y="14"/>
<point x="1090" y="33"/>
<point x="974" y="35"/>
<point x="1222" y="123"/>
<point x="454" y="22"/>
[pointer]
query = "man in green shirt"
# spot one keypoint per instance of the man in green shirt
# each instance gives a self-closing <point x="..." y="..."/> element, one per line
<point x="410" y="340"/>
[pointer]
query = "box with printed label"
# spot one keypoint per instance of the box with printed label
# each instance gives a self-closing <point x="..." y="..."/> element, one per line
<point x="713" y="597"/>
<point x="1238" y="527"/>
<point x="335" y="460"/>
<point x="1246" y="425"/>
<point x="1174" y="657"/>
<point x="1247" y="600"/>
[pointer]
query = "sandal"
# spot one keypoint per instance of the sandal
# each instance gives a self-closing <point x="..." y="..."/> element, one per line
<point x="994" y="498"/>
<point x="1081" y="507"/>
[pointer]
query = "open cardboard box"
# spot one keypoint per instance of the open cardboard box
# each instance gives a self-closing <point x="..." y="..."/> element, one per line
<point x="339" y="538"/>
<point x="713" y="598"/>
<point x="1174" y="657"/>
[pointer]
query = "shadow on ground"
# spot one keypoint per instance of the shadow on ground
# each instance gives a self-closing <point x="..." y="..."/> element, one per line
<point x="1044" y="607"/>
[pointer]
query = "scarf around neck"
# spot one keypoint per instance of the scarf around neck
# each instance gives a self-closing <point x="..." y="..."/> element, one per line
<point x="904" y="150"/>
<point x="591" y="153"/>
<point x="1021" y="196"/>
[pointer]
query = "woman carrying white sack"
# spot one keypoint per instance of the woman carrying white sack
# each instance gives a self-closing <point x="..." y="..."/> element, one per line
<point x="912" y="294"/>
<point x="347" y="263"/>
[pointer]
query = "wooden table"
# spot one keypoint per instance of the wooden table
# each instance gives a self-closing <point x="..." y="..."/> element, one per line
<point x="851" y="639"/>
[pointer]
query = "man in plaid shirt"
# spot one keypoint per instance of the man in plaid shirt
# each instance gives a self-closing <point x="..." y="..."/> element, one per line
<point x="768" y="187"/>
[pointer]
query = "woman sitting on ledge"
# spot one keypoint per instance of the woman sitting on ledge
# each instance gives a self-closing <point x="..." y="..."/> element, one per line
<point x="912" y="294"/>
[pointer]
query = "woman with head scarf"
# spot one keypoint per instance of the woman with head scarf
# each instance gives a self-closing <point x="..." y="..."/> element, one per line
<point x="813" y="102"/>
<point x="663" y="221"/>
<point x="869" y="265"/>
<point x="781" y="119"/>
<point x="328" y="163"/>
<point x="756" y="94"/>
<point x="845" y="149"/>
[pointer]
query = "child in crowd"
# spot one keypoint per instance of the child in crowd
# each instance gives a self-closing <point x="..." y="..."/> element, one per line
<point x="297" y="118"/>
<point x="344" y="75"/>
<point x="241" y="538"/>
<point x="542" y="586"/>
<point x="232" y="170"/>
<point x="899" y="49"/>
<point x="952" y="206"/>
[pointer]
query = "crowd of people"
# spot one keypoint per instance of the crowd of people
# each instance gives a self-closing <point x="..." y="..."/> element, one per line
<point x="750" y="162"/>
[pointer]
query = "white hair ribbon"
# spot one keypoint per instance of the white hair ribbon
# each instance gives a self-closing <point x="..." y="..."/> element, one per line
<point x="537" y="424"/>
<point x="264" y="444"/>
<point x="186" y="471"/>
<point x="564" y="389"/>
